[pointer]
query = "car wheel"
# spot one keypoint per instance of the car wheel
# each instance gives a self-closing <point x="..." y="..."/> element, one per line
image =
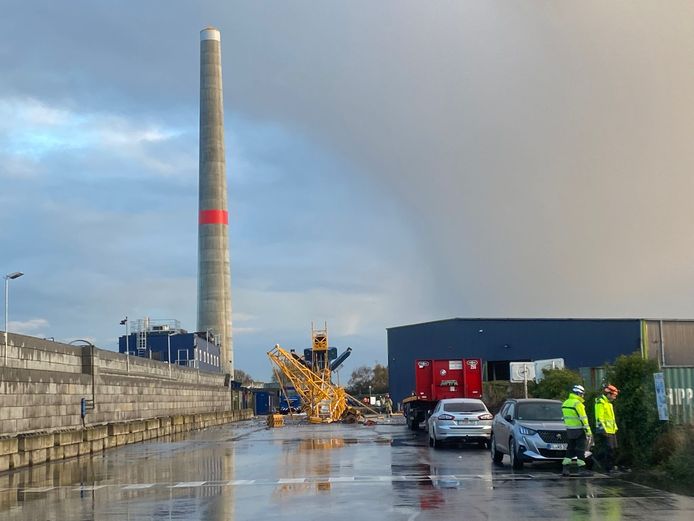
<point x="516" y="462"/>
<point x="434" y="442"/>
<point x="496" y="455"/>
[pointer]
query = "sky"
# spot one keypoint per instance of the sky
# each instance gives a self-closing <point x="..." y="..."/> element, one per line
<point x="388" y="163"/>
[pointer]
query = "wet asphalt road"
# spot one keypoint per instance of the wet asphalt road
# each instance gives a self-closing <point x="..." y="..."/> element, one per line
<point x="306" y="472"/>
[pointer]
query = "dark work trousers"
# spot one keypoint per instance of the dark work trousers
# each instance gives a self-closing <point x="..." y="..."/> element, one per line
<point x="576" y="446"/>
<point x="607" y="448"/>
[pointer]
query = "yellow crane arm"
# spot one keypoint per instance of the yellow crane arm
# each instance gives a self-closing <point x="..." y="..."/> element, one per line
<point x="322" y="400"/>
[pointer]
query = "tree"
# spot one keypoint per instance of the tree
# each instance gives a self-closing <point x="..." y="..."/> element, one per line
<point x="283" y="381"/>
<point x="243" y="377"/>
<point x="380" y="379"/>
<point x="555" y="384"/>
<point x="635" y="407"/>
<point x="361" y="379"/>
<point x="365" y="379"/>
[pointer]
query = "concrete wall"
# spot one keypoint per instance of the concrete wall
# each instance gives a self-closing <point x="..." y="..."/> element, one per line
<point x="43" y="382"/>
<point x="214" y="464"/>
<point x="29" y="449"/>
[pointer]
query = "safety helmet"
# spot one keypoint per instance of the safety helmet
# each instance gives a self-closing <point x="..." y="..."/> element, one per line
<point x="578" y="389"/>
<point x="611" y="389"/>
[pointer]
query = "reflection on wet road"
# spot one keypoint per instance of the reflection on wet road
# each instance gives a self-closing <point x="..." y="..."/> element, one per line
<point x="306" y="472"/>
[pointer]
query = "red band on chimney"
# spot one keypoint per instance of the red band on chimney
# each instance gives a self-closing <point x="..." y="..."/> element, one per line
<point x="213" y="217"/>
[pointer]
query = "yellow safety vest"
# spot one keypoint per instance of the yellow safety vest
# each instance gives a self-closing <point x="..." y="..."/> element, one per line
<point x="575" y="414"/>
<point x="604" y="416"/>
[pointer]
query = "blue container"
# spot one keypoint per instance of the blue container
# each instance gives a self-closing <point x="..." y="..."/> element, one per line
<point x="263" y="402"/>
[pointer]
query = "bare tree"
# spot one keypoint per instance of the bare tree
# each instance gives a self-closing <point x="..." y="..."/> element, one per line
<point x="243" y="377"/>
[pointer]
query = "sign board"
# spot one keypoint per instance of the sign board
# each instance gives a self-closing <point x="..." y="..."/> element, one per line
<point x="550" y="363"/>
<point x="522" y="371"/>
<point x="660" y="396"/>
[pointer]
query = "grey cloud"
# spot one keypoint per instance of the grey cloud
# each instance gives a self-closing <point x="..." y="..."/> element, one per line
<point x="520" y="159"/>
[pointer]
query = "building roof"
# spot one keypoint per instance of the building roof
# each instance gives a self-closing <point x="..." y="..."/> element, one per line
<point x="537" y="319"/>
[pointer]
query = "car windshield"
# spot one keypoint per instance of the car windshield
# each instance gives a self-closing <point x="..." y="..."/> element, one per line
<point x="541" y="411"/>
<point x="464" y="407"/>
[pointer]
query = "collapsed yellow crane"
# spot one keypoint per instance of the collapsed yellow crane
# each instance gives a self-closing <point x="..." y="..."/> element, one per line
<point x="311" y="375"/>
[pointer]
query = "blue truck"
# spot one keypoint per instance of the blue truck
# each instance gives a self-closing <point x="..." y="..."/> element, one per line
<point x="292" y="404"/>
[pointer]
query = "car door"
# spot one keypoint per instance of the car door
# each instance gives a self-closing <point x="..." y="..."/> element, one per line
<point x="510" y="413"/>
<point x="432" y="418"/>
<point x="504" y="433"/>
<point x="500" y="428"/>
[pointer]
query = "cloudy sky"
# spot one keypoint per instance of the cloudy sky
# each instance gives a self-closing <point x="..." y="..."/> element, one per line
<point x="389" y="162"/>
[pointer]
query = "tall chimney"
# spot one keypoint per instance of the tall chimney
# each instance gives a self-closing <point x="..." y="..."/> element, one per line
<point x="214" y="275"/>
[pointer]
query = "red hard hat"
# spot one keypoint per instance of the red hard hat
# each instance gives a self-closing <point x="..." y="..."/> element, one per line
<point x="611" y="389"/>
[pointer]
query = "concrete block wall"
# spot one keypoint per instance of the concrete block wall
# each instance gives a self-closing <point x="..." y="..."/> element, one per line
<point x="26" y="352"/>
<point x="32" y="449"/>
<point x="40" y="400"/>
<point x="43" y="382"/>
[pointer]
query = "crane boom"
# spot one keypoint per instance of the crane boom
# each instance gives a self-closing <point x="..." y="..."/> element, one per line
<point x="323" y="401"/>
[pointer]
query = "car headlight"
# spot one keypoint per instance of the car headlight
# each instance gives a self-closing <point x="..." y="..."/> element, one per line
<point x="526" y="431"/>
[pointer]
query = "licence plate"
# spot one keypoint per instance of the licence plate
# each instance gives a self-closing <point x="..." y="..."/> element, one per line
<point x="556" y="446"/>
<point x="465" y="421"/>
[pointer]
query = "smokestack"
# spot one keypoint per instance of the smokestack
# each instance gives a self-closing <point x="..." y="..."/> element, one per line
<point x="214" y="275"/>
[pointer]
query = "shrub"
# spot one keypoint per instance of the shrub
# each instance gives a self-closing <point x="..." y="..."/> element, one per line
<point x="498" y="391"/>
<point x="555" y="385"/>
<point x="679" y="464"/>
<point x="635" y="409"/>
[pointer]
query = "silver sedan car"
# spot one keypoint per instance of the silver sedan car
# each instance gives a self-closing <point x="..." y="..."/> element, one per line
<point x="460" y="419"/>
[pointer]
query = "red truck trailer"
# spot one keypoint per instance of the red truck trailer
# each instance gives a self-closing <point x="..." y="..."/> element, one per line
<point x="439" y="379"/>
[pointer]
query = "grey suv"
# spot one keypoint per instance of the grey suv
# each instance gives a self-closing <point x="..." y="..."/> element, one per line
<point x="528" y="430"/>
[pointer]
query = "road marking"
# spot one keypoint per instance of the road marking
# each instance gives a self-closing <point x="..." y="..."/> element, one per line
<point x="433" y="478"/>
<point x="189" y="484"/>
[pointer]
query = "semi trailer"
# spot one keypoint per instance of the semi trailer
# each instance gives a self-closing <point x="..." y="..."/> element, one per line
<point x="439" y="379"/>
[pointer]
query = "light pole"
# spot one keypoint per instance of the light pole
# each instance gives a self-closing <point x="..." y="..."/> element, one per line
<point x="168" y="345"/>
<point x="8" y="278"/>
<point x="124" y="322"/>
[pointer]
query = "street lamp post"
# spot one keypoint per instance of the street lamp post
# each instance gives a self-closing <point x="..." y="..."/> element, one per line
<point x="8" y="278"/>
<point x="168" y="345"/>
<point x="124" y="322"/>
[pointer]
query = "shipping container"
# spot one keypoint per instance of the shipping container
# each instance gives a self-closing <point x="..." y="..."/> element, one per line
<point x="437" y="380"/>
<point x="593" y="377"/>
<point x="679" y="386"/>
<point x="265" y="402"/>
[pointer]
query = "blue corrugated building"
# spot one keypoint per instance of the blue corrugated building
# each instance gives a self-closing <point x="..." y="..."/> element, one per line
<point x="166" y="342"/>
<point x="580" y="342"/>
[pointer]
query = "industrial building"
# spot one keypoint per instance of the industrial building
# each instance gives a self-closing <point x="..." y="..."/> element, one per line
<point x="580" y="342"/>
<point x="164" y="340"/>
